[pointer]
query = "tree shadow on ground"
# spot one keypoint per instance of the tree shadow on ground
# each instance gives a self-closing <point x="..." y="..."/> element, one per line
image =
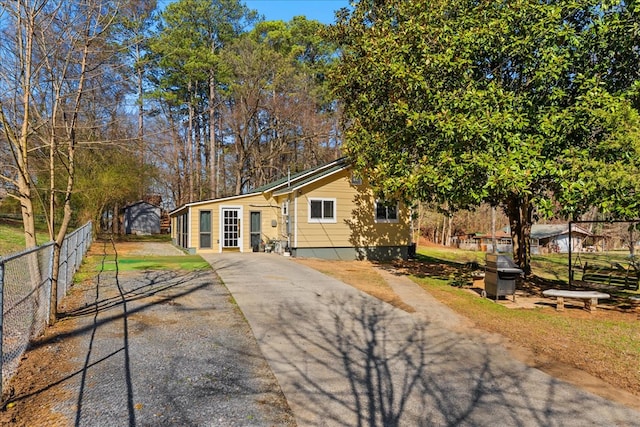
<point x="111" y="295"/>
<point x="403" y="371"/>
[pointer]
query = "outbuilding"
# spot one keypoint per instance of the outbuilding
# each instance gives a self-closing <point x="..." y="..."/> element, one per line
<point x="141" y="218"/>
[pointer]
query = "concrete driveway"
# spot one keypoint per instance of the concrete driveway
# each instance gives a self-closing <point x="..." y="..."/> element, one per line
<point x="343" y="358"/>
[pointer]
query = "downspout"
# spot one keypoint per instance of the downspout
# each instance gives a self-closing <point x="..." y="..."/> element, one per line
<point x="288" y="224"/>
<point x="287" y="250"/>
<point x="190" y="232"/>
<point x="295" y="220"/>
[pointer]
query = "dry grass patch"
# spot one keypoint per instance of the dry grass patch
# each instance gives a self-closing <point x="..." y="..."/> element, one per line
<point x="362" y="275"/>
<point x="605" y="343"/>
<point x="34" y="390"/>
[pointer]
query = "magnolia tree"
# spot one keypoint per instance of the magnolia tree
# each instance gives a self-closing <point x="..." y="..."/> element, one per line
<point x="530" y="106"/>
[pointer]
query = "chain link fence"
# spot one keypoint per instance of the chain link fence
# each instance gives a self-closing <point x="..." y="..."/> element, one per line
<point x="25" y="293"/>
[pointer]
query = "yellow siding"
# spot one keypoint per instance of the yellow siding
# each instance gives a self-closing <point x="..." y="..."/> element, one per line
<point x="355" y="224"/>
<point x="248" y="204"/>
<point x="194" y="224"/>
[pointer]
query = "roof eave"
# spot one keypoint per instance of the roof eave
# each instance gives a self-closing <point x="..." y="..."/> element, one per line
<point x="187" y="206"/>
<point x="291" y="189"/>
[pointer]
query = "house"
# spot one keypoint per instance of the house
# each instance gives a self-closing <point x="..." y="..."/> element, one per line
<point x="554" y="238"/>
<point x="324" y="212"/>
<point x="484" y="241"/>
<point x="141" y="218"/>
<point x="545" y="238"/>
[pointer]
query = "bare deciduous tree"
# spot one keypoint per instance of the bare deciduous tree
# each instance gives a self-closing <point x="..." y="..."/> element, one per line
<point x="54" y="61"/>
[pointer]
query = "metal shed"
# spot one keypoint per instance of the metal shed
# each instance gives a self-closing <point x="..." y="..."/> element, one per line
<point x="142" y="218"/>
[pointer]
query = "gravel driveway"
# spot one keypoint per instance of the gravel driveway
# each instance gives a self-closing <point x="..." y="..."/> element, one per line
<point x="154" y="348"/>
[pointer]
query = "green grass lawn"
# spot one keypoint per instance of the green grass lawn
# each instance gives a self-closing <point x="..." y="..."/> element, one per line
<point x="556" y="266"/>
<point x="603" y="346"/>
<point x="460" y="256"/>
<point x="550" y="266"/>
<point x="99" y="263"/>
<point x="131" y="263"/>
<point x="12" y="237"/>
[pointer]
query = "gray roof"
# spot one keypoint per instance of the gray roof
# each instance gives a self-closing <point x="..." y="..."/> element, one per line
<point x="544" y="231"/>
<point x="283" y="185"/>
<point x="301" y="178"/>
<point x="310" y="179"/>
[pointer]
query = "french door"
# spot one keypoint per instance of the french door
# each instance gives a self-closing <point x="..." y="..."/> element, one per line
<point x="231" y="230"/>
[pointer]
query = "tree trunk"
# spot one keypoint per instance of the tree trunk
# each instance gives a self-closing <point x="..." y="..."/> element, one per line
<point x="238" y="171"/>
<point x="212" y="135"/>
<point x="519" y="211"/>
<point x="198" y="138"/>
<point x="417" y="240"/>
<point x="71" y="124"/>
<point x="141" y="145"/>
<point x="190" y="145"/>
<point x="494" y="241"/>
<point x="24" y="177"/>
<point x="115" y="222"/>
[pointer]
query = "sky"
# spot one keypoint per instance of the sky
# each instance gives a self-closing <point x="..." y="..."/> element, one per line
<point x="320" y="10"/>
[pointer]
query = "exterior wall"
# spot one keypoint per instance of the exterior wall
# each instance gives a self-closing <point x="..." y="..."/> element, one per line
<point x="378" y="253"/>
<point x="245" y="205"/>
<point x="355" y="225"/>
<point x="286" y="222"/>
<point x="560" y="244"/>
<point x="179" y="232"/>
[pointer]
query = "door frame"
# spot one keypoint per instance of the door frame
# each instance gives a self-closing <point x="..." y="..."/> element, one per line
<point x="240" y="211"/>
<point x="252" y="232"/>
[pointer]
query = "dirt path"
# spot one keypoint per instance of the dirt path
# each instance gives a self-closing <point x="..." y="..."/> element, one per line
<point x="147" y="348"/>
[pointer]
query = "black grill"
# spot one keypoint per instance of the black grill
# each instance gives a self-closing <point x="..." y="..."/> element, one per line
<point x="500" y="276"/>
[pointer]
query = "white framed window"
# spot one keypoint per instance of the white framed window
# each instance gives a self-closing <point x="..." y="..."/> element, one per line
<point x="386" y="212"/>
<point x="356" y="179"/>
<point x="205" y="229"/>
<point x="322" y="210"/>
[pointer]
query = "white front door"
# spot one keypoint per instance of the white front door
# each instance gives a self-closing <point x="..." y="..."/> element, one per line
<point x="230" y="228"/>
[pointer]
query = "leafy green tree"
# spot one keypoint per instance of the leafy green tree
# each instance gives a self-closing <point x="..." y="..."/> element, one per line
<point x="517" y="104"/>
<point x="56" y="57"/>
<point x="106" y="182"/>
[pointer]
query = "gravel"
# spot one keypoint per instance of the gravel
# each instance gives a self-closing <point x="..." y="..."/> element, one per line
<point x="156" y="348"/>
